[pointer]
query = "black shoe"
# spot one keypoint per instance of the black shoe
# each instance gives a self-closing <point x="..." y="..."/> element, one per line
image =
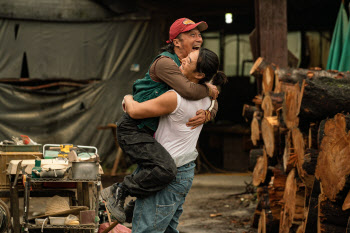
<point x="115" y="205"/>
<point x="108" y="192"/>
<point x="129" y="211"/>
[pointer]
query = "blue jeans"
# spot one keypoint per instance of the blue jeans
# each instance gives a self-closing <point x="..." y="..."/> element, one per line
<point x="161" y="212"/>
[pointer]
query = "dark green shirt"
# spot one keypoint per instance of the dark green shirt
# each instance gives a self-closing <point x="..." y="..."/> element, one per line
<point x="146" y="89"/>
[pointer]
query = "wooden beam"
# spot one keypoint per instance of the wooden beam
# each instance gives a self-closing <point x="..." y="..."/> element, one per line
<point x="271" y="24"/>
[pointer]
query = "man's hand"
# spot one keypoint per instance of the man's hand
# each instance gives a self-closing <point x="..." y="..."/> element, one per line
<point x="198" y="120"/>
<point x="213" y="90"/>
<point x="126" y="99"/>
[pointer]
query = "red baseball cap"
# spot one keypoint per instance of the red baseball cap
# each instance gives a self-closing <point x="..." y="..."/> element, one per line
<point x="184" y="25"/>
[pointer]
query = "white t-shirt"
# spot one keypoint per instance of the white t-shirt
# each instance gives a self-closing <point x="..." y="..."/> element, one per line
<point x="173" y="134"/>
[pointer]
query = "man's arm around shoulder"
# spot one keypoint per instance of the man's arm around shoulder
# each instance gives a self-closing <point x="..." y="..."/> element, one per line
<point x="162" y="105"/>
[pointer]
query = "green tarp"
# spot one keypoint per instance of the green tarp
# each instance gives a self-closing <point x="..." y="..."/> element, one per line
<point x="105" y="51"/>
<point x="340" y="35"/>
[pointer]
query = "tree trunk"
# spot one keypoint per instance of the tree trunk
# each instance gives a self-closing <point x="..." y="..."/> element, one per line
<point x="333" y="167"/>
<point x="297" y="75"/>
<point x="324" y="97"/>
<point x="326" y="92"/>
<point x="270" y="135"/>
<point x="290" y="75"/>
<point x="331" y="217"/>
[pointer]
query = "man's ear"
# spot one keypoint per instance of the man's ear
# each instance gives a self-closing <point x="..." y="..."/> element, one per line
<point x="176" y="42"/>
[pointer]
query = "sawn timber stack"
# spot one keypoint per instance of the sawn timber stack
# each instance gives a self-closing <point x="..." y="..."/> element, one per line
<point x="300" y="128"/>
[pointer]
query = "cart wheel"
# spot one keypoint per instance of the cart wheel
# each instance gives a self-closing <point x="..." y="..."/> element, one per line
<point x="5" y="217"/>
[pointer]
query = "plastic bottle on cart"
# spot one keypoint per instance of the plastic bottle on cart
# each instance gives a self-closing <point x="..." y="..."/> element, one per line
<point x="37" y="168"/>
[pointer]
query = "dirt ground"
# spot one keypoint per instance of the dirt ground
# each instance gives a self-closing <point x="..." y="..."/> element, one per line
<point x="220" y="210"/>
<point x="217" y="213"/>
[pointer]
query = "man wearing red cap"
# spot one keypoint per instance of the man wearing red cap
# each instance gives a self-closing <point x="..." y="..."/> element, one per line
<point x="186" y="36"/>
<point x="156" y="168"/>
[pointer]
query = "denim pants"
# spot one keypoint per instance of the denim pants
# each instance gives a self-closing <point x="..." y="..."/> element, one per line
<point x="161" y="212"/>
<point x="156" y="168"/>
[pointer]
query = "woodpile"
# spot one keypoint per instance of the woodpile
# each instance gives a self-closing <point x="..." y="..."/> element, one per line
<point x="300" y="127"/>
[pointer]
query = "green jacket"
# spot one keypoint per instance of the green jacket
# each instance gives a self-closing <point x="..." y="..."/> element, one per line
<point x="146" y="89"/>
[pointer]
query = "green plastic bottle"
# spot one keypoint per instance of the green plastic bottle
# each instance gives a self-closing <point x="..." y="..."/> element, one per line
<point x="37" y="167"/>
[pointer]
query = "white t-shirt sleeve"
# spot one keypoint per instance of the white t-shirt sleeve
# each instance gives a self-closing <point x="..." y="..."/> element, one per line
<point x="178" y="101"/>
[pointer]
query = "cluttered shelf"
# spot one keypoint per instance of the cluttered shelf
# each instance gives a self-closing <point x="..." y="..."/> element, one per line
<point x="38" y="180"/>
<point x="81" y="227"/>
<point x="39" y="165"/>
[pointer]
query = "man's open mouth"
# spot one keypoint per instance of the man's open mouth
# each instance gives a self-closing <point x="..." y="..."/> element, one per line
<point x="196" y="47"/>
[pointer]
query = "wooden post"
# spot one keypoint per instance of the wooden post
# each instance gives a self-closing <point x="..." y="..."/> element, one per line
<point x="271" y="25"/>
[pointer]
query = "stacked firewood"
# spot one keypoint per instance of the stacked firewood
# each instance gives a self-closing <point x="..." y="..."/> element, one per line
<point x="300" y="128"/>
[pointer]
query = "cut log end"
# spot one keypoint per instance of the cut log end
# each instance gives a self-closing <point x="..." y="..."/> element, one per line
<point x="255" y="131"/>
<point x="291" y="106"/>
<point x="289" y="199"/>
<point x="269" y="131"/>
<point x="268" y="79"/>
<point x="260" y="170"/>
<point x="255" y="68"/>
<point x="333" y="167"/>
<point x="299" y="146"/>
<point x="262" y="222"/>
<point x="254" y="154"/>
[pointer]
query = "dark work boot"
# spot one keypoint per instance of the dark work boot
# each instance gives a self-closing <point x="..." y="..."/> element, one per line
<point x="108" y="192"/>
<point x="115" y="204"/>
<point x="129" y="211"/>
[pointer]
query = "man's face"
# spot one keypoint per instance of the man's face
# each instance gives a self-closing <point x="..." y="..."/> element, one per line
<point x="189" y="64"/>
<point x="189" y="42"/>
